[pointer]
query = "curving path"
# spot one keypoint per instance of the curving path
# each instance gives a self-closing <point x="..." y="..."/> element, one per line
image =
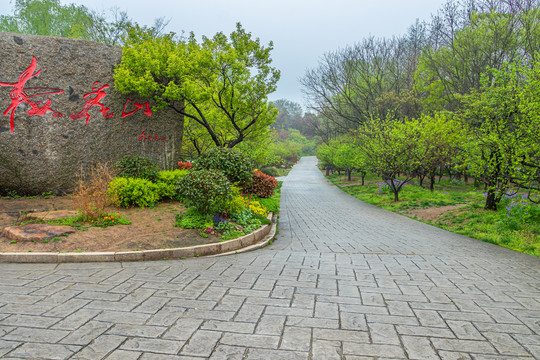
<point x="343" y="280"/>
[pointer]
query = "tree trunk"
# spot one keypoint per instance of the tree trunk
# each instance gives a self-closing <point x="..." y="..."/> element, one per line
<point x="441" y="173"/>
<point x="363" y="176"/>
<point x="491" y="203"/>
<point x="349" y="175"/>
<point x="421" y="178"/>
<point x="432" y="182"/>
<point x="396" y="196"/>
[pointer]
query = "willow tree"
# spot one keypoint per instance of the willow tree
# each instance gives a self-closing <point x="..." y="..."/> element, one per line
<point x="220" y="85"/>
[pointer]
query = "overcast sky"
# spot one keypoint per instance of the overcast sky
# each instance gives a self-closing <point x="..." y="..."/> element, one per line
<point x="302" y="30"/>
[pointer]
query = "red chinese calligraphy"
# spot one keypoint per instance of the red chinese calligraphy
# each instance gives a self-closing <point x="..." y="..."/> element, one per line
<point x="19" y="96"/>
<point x="150" y="137"/>
<point x="95" y="101"/>
<point x="138" y="107"/>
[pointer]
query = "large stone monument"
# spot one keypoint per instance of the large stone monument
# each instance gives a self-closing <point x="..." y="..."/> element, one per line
<point x="60" y="114"/>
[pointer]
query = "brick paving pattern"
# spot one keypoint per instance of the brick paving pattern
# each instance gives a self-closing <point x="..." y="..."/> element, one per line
<point x="343" y="280"/>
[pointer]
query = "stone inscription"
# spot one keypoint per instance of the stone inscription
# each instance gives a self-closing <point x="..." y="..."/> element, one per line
<point x="20" y="94"/>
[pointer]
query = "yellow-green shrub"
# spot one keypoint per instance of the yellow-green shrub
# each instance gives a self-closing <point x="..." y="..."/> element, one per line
<point x="167" y="181"/>
<point x="133" y="191"/>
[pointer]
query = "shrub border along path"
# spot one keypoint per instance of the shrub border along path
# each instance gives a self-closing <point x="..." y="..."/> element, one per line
<point x="257" y="239"/>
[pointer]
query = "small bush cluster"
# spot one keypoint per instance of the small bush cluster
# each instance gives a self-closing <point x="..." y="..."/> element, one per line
<point x="234" y="164"/>
<point x="132" y="166"/>
<point x="211" y="185"/>
<point x="205" y="190"/>
<point x="262" y="185"/>
<point x="134" y="191"/>
<point x="140" y="183"/>
<point x="184" y="165"/>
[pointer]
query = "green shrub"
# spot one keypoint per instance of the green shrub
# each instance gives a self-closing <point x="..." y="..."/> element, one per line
<point x="235" y="165"/>
<point x="133" y="191"/>
<point x="270" y="171"/>
<point x="167" y="181"/>
<point x="262" y="185"/>
<point x="133" y="166"/>
<point x="232" y="204"/>
<point x="205" y="190"/>
<point x="193" y="219"/>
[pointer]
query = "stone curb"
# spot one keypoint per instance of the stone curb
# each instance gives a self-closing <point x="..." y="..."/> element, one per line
<point x="259" y="245"/>
<point x="255" y="240"/>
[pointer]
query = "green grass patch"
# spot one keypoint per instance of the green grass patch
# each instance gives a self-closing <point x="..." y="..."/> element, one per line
<point x="517" y="229"/>
<point x="81" y="223"/>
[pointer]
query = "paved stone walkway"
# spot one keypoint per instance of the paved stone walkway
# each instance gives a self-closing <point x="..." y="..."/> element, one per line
<point x="343" y="280"/>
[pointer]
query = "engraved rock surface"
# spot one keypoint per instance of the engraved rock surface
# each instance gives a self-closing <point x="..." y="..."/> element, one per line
<point x="68" y="116"/>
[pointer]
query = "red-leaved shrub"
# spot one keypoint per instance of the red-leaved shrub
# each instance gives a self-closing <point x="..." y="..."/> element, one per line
<point x="262" y="185"/>
<point x="184" y="165"/>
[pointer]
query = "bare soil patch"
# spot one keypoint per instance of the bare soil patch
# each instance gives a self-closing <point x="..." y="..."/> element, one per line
<point x="151" y="228"/>
<point x="432" y="213"/>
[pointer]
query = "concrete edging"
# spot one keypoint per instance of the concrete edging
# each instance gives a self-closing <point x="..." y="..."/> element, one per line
<point x="257" y="239"/>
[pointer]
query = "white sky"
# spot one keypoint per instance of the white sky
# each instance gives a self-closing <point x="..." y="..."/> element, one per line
<point x="302" y="30"/>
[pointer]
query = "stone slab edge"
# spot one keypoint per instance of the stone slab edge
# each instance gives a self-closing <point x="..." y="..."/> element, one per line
<point x="259" y="245"/>
<point x="257" y="239"/>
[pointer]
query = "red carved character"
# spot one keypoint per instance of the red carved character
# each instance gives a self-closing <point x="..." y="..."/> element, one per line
<point x="138" y="107"/>
<point x="95" y="101"/>
<point x="19" y="96"/>
<point x="151" y="137"/>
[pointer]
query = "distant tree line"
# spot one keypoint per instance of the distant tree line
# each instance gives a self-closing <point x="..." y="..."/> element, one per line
<point x="457" y="93"/>
<point x="50" y="17"/>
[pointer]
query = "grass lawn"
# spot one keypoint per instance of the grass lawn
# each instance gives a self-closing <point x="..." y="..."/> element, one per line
<point x="457" y="207"/>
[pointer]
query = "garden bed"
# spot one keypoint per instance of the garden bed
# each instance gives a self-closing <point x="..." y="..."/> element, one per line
<point x="150" y="228"/>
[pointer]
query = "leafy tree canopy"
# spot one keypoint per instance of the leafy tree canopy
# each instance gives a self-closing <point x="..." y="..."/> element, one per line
<point x="219" y="85"/>
<point x="504" y="125"/>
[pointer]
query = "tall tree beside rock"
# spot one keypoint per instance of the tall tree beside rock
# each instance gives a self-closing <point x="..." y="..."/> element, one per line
<point x="219" y="85"/>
